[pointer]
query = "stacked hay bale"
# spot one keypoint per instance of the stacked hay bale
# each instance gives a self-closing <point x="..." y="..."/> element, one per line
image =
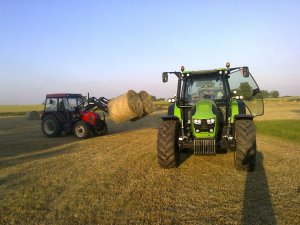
<point x="130" y="106"/>
<point x="125" y="107"/>
<point x="147" y="102"/>
<point x="33" y="115"/>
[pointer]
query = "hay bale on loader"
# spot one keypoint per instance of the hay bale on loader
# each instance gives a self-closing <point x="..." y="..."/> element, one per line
<point x="147" y="103"/>
<point x="125" y="107"/>
<point x="33" y="115"/>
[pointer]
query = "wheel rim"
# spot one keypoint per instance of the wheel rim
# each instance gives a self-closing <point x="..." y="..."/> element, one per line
<point x="49" y="126"/>
<point x="80" y="130"/>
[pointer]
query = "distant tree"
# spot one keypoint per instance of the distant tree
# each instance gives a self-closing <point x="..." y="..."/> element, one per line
<point x="265" y="93"/>
<point x="153" y="98"/>
<point x="274" y="94"/>
<point x="160" y="99"/>
<point x="245" y="90"/>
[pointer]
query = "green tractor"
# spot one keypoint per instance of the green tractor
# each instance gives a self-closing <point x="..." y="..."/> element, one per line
<point x="212" y="113"/>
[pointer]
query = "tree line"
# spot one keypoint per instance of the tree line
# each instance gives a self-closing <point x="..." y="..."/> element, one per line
<point x="270" y="94"/>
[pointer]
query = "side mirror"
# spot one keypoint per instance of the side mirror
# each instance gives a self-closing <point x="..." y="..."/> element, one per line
<point x="245" y="72"/>
<point x="165" y="77"/>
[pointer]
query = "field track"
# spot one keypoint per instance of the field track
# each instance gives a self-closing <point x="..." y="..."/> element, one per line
<point x="115" y="179"/>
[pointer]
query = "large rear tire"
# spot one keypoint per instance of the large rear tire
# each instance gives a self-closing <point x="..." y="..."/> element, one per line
<point x="51" y="126"/>
<point x="81" y="130"/>
<point x="245" y="154"/>
<point x="167" y="144"/>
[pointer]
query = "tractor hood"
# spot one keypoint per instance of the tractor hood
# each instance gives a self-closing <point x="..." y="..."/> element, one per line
<point x="204" y="119"/>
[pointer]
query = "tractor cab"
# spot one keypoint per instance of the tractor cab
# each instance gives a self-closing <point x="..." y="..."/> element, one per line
<point x="62" y="102"/>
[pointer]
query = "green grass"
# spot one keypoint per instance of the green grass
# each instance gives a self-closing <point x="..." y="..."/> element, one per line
<point x="161" y="104"/>
<point x="288" y="130"/>
<point x="18" y="110"/>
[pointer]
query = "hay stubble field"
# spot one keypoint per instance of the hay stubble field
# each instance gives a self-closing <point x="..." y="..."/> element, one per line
<point x="115" y="179"/>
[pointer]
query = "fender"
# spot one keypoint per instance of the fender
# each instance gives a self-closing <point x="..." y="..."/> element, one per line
<point x="244" y="117"/>
<point x="169" y="117"/>
<point x="58" y="115"/>
<point x="173" y="110"/>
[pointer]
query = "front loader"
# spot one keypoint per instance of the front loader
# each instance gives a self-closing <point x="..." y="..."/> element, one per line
<point x="212" y="112"/>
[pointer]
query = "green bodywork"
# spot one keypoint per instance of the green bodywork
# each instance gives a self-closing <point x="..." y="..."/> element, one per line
<point x="177" y="112"/>
<point x="204" y="110"/>
<point x="234" y="108"/>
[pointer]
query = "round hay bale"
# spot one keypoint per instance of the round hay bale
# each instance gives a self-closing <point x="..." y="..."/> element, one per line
<point x="33" y="115"/>
<point x="147" y="102"/>
<point x="125" y="107"/>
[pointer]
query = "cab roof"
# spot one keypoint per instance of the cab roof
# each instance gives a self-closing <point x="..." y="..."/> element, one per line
<point x="203" y="71"/>
<point x="63" y="95"/>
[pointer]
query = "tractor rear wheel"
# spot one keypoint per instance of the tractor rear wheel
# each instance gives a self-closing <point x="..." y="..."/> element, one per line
<point x="167" y="144"/>
<point x="51" y="126"/>
<point x="81" y="130"/>
<point x="245" y="154"/>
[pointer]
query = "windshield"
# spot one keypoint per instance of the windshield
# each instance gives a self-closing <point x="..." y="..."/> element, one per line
<point x="245" y="88"/>
<point x="72" y="103"/>
<point x="204" y="87"/>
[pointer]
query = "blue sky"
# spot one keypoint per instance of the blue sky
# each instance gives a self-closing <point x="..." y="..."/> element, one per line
<point x="108" y="47"/>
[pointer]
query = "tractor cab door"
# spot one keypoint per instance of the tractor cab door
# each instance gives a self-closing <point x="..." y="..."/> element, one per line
<point x="55" y="106"/>
<point x="244" y="88"/>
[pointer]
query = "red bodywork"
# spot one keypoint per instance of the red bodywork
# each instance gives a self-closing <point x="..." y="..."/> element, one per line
<point x="89" y="117"/>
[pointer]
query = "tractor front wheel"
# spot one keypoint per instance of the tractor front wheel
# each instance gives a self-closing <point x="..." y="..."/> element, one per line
<point x="51" y="126"/>
<point x="81" y="130"/>
<point x="245" y="136"/>
<point x="167" y="144"/>
<point x="101" y="129"/>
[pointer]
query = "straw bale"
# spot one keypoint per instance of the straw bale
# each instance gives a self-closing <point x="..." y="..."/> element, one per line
<point x="33" y="115"/>
<point x="147" y="102"/>
<point x="125" y="107"/>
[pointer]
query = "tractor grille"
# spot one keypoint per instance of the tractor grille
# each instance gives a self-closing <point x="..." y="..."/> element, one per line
<point x="205" y="146"/>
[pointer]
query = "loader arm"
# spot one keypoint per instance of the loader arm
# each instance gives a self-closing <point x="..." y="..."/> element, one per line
<point x="92" y="104"/>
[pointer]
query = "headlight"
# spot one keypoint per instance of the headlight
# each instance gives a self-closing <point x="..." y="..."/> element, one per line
<point x="210" y="121"/>
<point x="171" y="100"/>
<point x="196" y="121"/>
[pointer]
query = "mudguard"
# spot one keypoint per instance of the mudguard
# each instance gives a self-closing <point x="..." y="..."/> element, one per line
<point x="237" y="107"/>
<point x="169" y="117"/>
<point x="173" y="110"/>
<point x="243" y="116"/>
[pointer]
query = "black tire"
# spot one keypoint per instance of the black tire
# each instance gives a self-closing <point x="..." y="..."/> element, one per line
<point x="81" y="130"/>
<point x="245" y="154"/>
<point x="101" y="131"/>
<point x="51" y="127"/>
<point x="167" y="144"/>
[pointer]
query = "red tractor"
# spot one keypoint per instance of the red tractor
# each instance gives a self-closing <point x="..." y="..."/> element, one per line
<point x="70" y="113"/>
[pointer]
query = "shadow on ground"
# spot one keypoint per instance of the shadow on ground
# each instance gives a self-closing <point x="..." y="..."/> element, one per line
<point x="151" y="121"/>
<point x="257" y="206"/>
<point x="23" y="140"/>
<point x="296" y="111"/>
<point x="184" y="155"/>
